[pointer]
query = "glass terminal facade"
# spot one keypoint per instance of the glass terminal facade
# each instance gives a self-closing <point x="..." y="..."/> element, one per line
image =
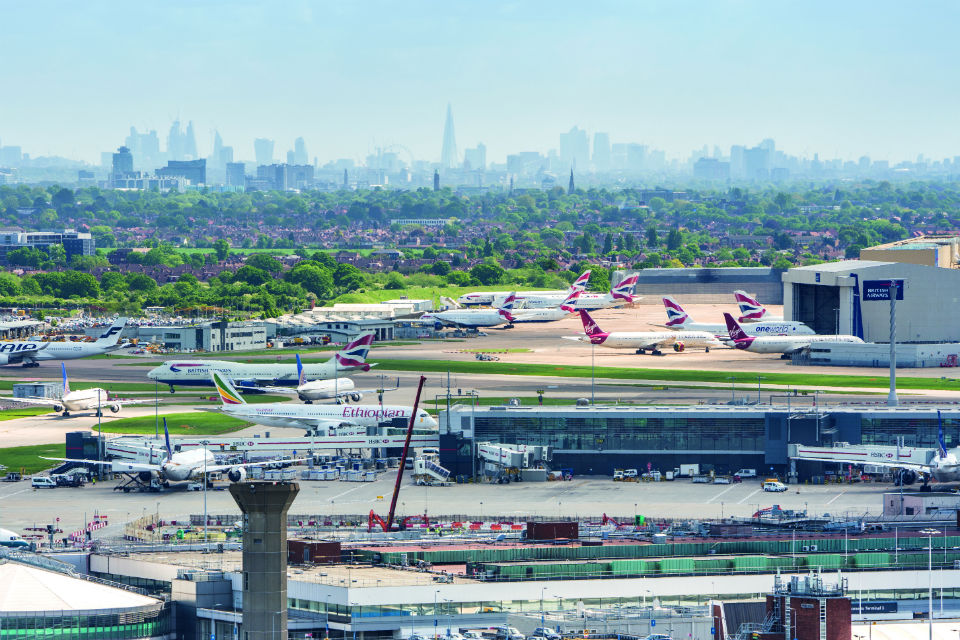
<point x="107" y="624"/>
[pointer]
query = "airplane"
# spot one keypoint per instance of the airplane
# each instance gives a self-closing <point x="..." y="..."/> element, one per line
<point x="751" y="310"/>
<point x="32" y="352"/>
<point x="12" y="540"/>
<point x="339" y="389"/>
<point x="784" y="345"/>
<point x="197" y="372"/>
<point x="619" y="295"/>
<point x="93" y="399"/>
<point x="644" y="341"/>
<point x="177" y="467"/>
<point x="325" y="417"/>
<point x="550" y="314"/>
<point x="474" y="318"/>
<point x="941" y="464"/>
<point x="677" y="318"/>
<point x="531" y="299"/>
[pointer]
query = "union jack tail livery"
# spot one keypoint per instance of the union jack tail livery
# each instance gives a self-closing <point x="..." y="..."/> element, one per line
<point x="228" y="395"/>
<point x="593" y="331"/>
<point x="507" y="307"/>
<point x="737" y="334"/>
<point x="750" y="309"/>
<point x="354" y="354"/>
<point x="580" y="284"/>
<point x="570" y="304"/>
<point x="301" y="376"/>
<point x="676" y="316"/>
<point x="625" y="288"/>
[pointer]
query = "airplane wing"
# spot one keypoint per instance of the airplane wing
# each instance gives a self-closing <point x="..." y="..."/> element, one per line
<point x="292" y="391"/>
<point x="33" y="400"/>
<point x="316" y="423"/>
<point x="577" y="338"/>
<point x="115" y="465"/>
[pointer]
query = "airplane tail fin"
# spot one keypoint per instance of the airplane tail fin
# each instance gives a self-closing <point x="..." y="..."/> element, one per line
<point x="940" y="439"/>
<point x="625" y="288"/>
<point x="301" y="377"/>
<point x="507" y="307"/>
<point x="354" y="355"/>
<point x="580" y="284"/>
<point x="750" y="308"/>
<point x="228" y="394"/>
<point x="111" y="336"/>
<point x="736" y="331"/>
<point x="570" y="304"/>
<point x="66" y="383"/>
<point x="166" y="440"/>
<point x="676" y="316"/>
<point x="591" y="328"/>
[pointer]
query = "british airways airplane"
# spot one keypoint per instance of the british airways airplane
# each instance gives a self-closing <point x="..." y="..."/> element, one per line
<point x="677" y="318"/>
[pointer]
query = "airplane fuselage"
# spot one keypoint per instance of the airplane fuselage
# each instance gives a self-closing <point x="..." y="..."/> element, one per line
<point x="788" y="344"/>
<point x="762" y="328"/>
<point x="304" y="416"/>
<point x="468" y="318"/>
<point x="197" y="372"/>
<point x="652" y="339"/>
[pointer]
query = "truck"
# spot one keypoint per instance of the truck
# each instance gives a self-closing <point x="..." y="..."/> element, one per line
<point x="687" y="470"/>
<point x="746" y="473"/>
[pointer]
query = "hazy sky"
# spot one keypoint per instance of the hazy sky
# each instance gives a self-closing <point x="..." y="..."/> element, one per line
<point x="838" y="78"/>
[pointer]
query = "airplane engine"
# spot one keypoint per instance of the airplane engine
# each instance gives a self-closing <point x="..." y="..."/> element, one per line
<point x="678" y="346"/>
<point x="145" y="476"/>
<point x="908" y="476"/>
<point x="58" y="408"/>
<point x="356" y="397"/>
<point x="237" y="474"/>
<point x="115" y="408"/>
<point x="4" y="359"/>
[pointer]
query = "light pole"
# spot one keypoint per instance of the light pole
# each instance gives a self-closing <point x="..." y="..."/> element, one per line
<point x="930" y="533"/>
<point x="593" y="370"/>
<point x="435" y="630"/>
<point x="543" y="591"/>
<point x="759" y="378"/>
<point x="156" y="409"/>
<point x="205" y="519"/>
<point x="733" y="389"/>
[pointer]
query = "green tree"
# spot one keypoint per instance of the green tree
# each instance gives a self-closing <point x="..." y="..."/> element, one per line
<point x="652" y="239"/>
<point x="141" y="282"/>
<point x="488" y="274"/>
<point x="222" y="248"/>
<point x="264" y="262"/>
<point x="395" y="281"/>
<point x="674" y="239"/>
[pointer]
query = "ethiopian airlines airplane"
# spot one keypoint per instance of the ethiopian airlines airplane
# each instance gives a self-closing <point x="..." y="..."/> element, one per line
<point x="252" y="375"/>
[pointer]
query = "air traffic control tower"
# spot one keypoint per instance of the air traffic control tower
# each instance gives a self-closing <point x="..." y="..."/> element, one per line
<point x="264" y="506"/>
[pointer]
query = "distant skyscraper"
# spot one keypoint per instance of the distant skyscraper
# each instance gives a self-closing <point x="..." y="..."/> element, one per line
<point x="263" y="151"/>
<point x="174" y="142"/>
<point x="122" y="164"/>
<point x="291" y="157"/>
<point x="300" y="152"/>
<point x="571" y="187"/>
<point x="436" y="180"/>
<point x="448" y="155"/>
<point x="346" y="180"/>
<point x="601" y="151"/>
<point x="217" y="150"/>
<point x="475" y="159"/>
<point x="574" y="148"/>
<point x="236" y="174"/>
<point x="145" y="148"/>
<point x="190" y="142"/>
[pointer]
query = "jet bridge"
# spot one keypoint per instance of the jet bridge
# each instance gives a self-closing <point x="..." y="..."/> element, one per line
<point x="865" y="454"/>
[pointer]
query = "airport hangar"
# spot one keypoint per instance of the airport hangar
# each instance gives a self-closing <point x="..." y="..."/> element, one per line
<point x="595" y="440"/>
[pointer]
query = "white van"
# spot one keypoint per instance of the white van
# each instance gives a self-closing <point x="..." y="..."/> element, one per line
<point x="774" y="486"/>
<point x="43" y="482"/>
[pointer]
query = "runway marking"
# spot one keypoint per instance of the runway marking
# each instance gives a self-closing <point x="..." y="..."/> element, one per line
<point x="332" y="498"/>
<point x="744" y="498"/>
<point x="14" y="493"/>
<point x="835" y="497"/>
<point x="730" y="488"/>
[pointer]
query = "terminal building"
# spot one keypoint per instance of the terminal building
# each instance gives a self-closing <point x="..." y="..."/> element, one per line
<point x="595" y="440"/>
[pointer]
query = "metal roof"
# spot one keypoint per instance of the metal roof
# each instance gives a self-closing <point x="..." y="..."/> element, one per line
<point x="27" y="588"/>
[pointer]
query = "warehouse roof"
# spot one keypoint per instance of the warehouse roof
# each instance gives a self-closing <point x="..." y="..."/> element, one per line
<point x="27" y="588"/>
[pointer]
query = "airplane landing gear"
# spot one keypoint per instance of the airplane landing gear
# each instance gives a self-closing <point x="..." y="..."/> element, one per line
<point x="641" y="352"/>
<point x="657" y="352"/>
<point x="30" y="364"/>
<point x="172" y="390"/>
<point x="65" y="414"/>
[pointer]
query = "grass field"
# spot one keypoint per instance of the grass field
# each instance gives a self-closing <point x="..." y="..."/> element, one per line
<point x="668" y="375"/>
<point x="494" y="350"/>
<point x="418" y="293"/>
<point x="192" y="424"/>
<point x="23" y="412"/>
<point x="28" y="458"/>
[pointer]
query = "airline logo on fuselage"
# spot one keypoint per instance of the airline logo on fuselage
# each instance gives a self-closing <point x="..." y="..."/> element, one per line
<point x="782" y="328"/>
<point x="366" y="412"/>
<point x="17" y="347"/>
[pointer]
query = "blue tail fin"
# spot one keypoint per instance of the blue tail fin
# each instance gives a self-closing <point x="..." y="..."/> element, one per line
<point x="66" y="383"/>
<point x="940" y="438"/>
<point x="301" y="379"/>
<point x="166" y="437"/>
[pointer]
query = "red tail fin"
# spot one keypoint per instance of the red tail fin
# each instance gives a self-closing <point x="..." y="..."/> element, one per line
<point x="589" y="325"/>
<point x="735" y="330"/>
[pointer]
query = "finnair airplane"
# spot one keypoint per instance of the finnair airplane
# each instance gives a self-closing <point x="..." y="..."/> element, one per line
<point x="530" y="299"/>
<point x="751" y="310"/>
<point x="784" y="345"/>
<point x="474" y="318"/>
<point x="93" y="399"/>
<point x="197" y="372"/>
<point x="677" y="318"/>
<point x="643" y="341"/>
<point x="327" y="417"/>
<point x="30" y="353"/>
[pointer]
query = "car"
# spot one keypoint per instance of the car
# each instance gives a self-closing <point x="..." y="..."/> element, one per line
<point x="546" y="633"/>
<point x="658" y="636"/>
<point x="43" y="482"/>
<point x="472" y="635"/>
<point x="746" y="473"/>
<point x="774" y="486"/>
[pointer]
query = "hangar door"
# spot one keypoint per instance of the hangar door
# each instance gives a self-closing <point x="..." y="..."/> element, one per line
<point x="817" y="305"/>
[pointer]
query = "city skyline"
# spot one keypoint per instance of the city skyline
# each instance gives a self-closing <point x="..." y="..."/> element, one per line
<point x="841" y="81"/>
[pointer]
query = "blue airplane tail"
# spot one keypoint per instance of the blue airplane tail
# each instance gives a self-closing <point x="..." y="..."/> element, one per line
<point x="166" y="437"/>
<point x="940" y="439"/>
<point x="66" y="383"/>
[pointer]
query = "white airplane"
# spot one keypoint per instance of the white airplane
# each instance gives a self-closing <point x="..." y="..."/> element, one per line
<point x="92" y="399"/>
<point x="550" y="314"/>
<point x="314" y="419"/>
<point x="32" y="352"/>
<point x="531" y="299"/>
<point x="619" y="295"/>
<point x="12" y="540"/>
<point x="784" y="345"/>
<point x="644" y="341"/>
<point x="941" y="464"/>
<point x="677" y="318"/>
<point x="751" y="310"/>
<point x="177" y="467"/>
<point x="474" y="318"/>
<point x="197" y="372"/>
<point x="339" y="389"/>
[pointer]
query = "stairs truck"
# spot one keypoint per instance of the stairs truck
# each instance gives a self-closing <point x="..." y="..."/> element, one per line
<point x="427" y="470"/>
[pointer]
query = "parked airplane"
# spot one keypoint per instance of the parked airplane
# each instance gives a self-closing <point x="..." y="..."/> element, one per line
<point x="941" y="464"/>
<point x="474" y="318"/>
<point x="677" y="318"/>
<point x="324" y="417"/>
<point x="94" y="399"/>
<point x="644" y="341"/>
<point x="531" y="299"/>
<point x="252" y="375"/>
<point x="32" y="352"/>
<point x="751" y="310"/>
<point x="784" y="345"/>
<point x="339" y="389"/>
<point x="177" y="467"/>
<point x="618" y="296"/>
<point x="552" y="314"/>
<point x="10" y="539"/>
